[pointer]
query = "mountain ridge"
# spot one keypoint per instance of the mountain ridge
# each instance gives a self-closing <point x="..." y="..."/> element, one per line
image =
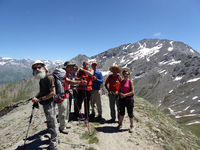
<point x="164" y="72"/>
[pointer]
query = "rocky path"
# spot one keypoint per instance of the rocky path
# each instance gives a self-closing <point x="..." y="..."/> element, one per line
<point x="105" y="136"/>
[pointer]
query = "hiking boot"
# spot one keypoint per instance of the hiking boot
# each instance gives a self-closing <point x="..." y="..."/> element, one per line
<point x="50" y="148"/>
<point x="111" y="121"/>
<point x="64" y="131"/>
<point x="99" y="118"/>
<point x="119" y="126"/>
<point x="75" y="119"/>
<point x="92" y="115"/>
<point x="67" y="127"/>
<point x="131" y="129"/>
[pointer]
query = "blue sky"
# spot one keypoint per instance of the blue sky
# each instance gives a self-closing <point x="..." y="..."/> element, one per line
<point x="62" y="29"/>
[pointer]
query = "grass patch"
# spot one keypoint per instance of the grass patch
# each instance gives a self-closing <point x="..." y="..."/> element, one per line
<point x="90" y="148"/>
<point x="92" y="138"/>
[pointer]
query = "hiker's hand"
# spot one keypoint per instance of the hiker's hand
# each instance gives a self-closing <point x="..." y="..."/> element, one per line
<point x="81" y="69"/>
<point x="116" y="93"/>
<point x="94" y="78"/>
<point x="122" y="95"/>
<point x="84" y="82"/>
<point x="35" y="100"/>
<point x="71" y="91"/>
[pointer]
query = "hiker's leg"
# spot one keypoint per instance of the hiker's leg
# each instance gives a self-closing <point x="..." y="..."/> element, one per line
<point x="112" y="106"/>
<point x="50" y="113"/>
<point x="92" y="101"/>
<point x="62" y="113"/>
<point x="75" y="94"/>
<point x="88" y="95"/>
<point x="67" y="110"/>
<point x="79" y="103"/>
<point x="130" y="105"/>
<point x="70" y="101"/>
<point x="121" y="109"/>
<point x="98" y="101"/>
<point x="117" y="103"/>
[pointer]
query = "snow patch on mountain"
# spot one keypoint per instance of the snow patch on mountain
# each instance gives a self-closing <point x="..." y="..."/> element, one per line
<point x="143" y="52"/>
<point x="170" y="62"/>
<point x="171" y="48"/>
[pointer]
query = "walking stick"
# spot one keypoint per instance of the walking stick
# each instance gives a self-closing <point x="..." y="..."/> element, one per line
<point x="87" y="110"/>
<point x="35" y="105"/>
<point x="81" y="115"/>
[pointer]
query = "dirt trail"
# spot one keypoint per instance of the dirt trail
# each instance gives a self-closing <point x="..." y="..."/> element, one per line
<point x="14" y="125"/>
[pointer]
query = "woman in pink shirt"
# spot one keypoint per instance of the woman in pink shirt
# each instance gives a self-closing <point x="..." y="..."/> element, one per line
<point x="126" y="92"/>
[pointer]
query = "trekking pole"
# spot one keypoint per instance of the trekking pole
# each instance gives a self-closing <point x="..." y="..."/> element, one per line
<point x="35" y="105"/>
<point x="81" y="115"/>
<point x="87" y="111"/>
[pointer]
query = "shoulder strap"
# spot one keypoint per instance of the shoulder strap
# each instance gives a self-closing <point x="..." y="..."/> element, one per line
<point x="109" y="78"/>
<point x="119" y="78"/>
<point x="130" y="85"/>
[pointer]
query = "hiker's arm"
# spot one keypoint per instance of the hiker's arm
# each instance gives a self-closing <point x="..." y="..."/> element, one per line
<point x="88" y="72"/>
<point x="74" y="82"/>
<point x="77" y="78"/>
<point x="46" y="97"/>
<point x="100" y="79"/>
<point x="107" y="87"/>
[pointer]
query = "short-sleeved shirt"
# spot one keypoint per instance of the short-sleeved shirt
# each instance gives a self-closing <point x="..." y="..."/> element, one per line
<point x="114" y="83"/>
<point x="45" y="85"/>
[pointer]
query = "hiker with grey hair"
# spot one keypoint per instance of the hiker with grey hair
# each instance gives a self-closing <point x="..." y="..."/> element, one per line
<point x="45" y="97"/>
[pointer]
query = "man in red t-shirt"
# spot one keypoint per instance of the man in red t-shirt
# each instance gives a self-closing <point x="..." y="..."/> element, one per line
<point x="84" y="74"/>
<point x="114" y="82"/>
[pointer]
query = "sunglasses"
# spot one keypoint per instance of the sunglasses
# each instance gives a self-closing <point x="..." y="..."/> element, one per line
<point x="35" y="68"/>
<point x="94" y="64"/>
<point x="126" y="73"/>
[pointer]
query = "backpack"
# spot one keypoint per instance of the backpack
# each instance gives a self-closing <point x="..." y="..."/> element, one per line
<point x="59" y="75"/>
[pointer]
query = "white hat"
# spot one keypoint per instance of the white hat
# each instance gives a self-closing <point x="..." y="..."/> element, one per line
<point x="40" y="62"/>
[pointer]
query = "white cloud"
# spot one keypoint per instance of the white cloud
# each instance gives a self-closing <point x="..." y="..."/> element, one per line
<point x="157" y="34"/>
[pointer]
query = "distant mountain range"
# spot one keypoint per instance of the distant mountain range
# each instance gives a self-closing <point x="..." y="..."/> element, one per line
<point x="164" y="72"/>
<point x="12" y="70"/>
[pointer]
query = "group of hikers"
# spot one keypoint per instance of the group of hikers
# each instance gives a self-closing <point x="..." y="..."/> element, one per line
<point x="80" y="85"/>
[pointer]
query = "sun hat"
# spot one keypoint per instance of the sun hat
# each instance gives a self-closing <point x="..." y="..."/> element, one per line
<point x="40" y="62"/>
<point x="115" y="66"/>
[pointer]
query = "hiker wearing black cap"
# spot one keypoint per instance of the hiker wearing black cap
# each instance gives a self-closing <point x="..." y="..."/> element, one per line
<point x="64" y="111"/>
<point x="63" y="107"/>
<point x="45" y="97"/>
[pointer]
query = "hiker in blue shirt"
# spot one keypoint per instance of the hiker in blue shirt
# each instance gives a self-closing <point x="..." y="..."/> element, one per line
<point x="95" y="97"/>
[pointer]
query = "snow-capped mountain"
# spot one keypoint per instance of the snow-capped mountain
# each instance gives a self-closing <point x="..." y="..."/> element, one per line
<point x="12" y="70"/>
<point x="164" y="72"/>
